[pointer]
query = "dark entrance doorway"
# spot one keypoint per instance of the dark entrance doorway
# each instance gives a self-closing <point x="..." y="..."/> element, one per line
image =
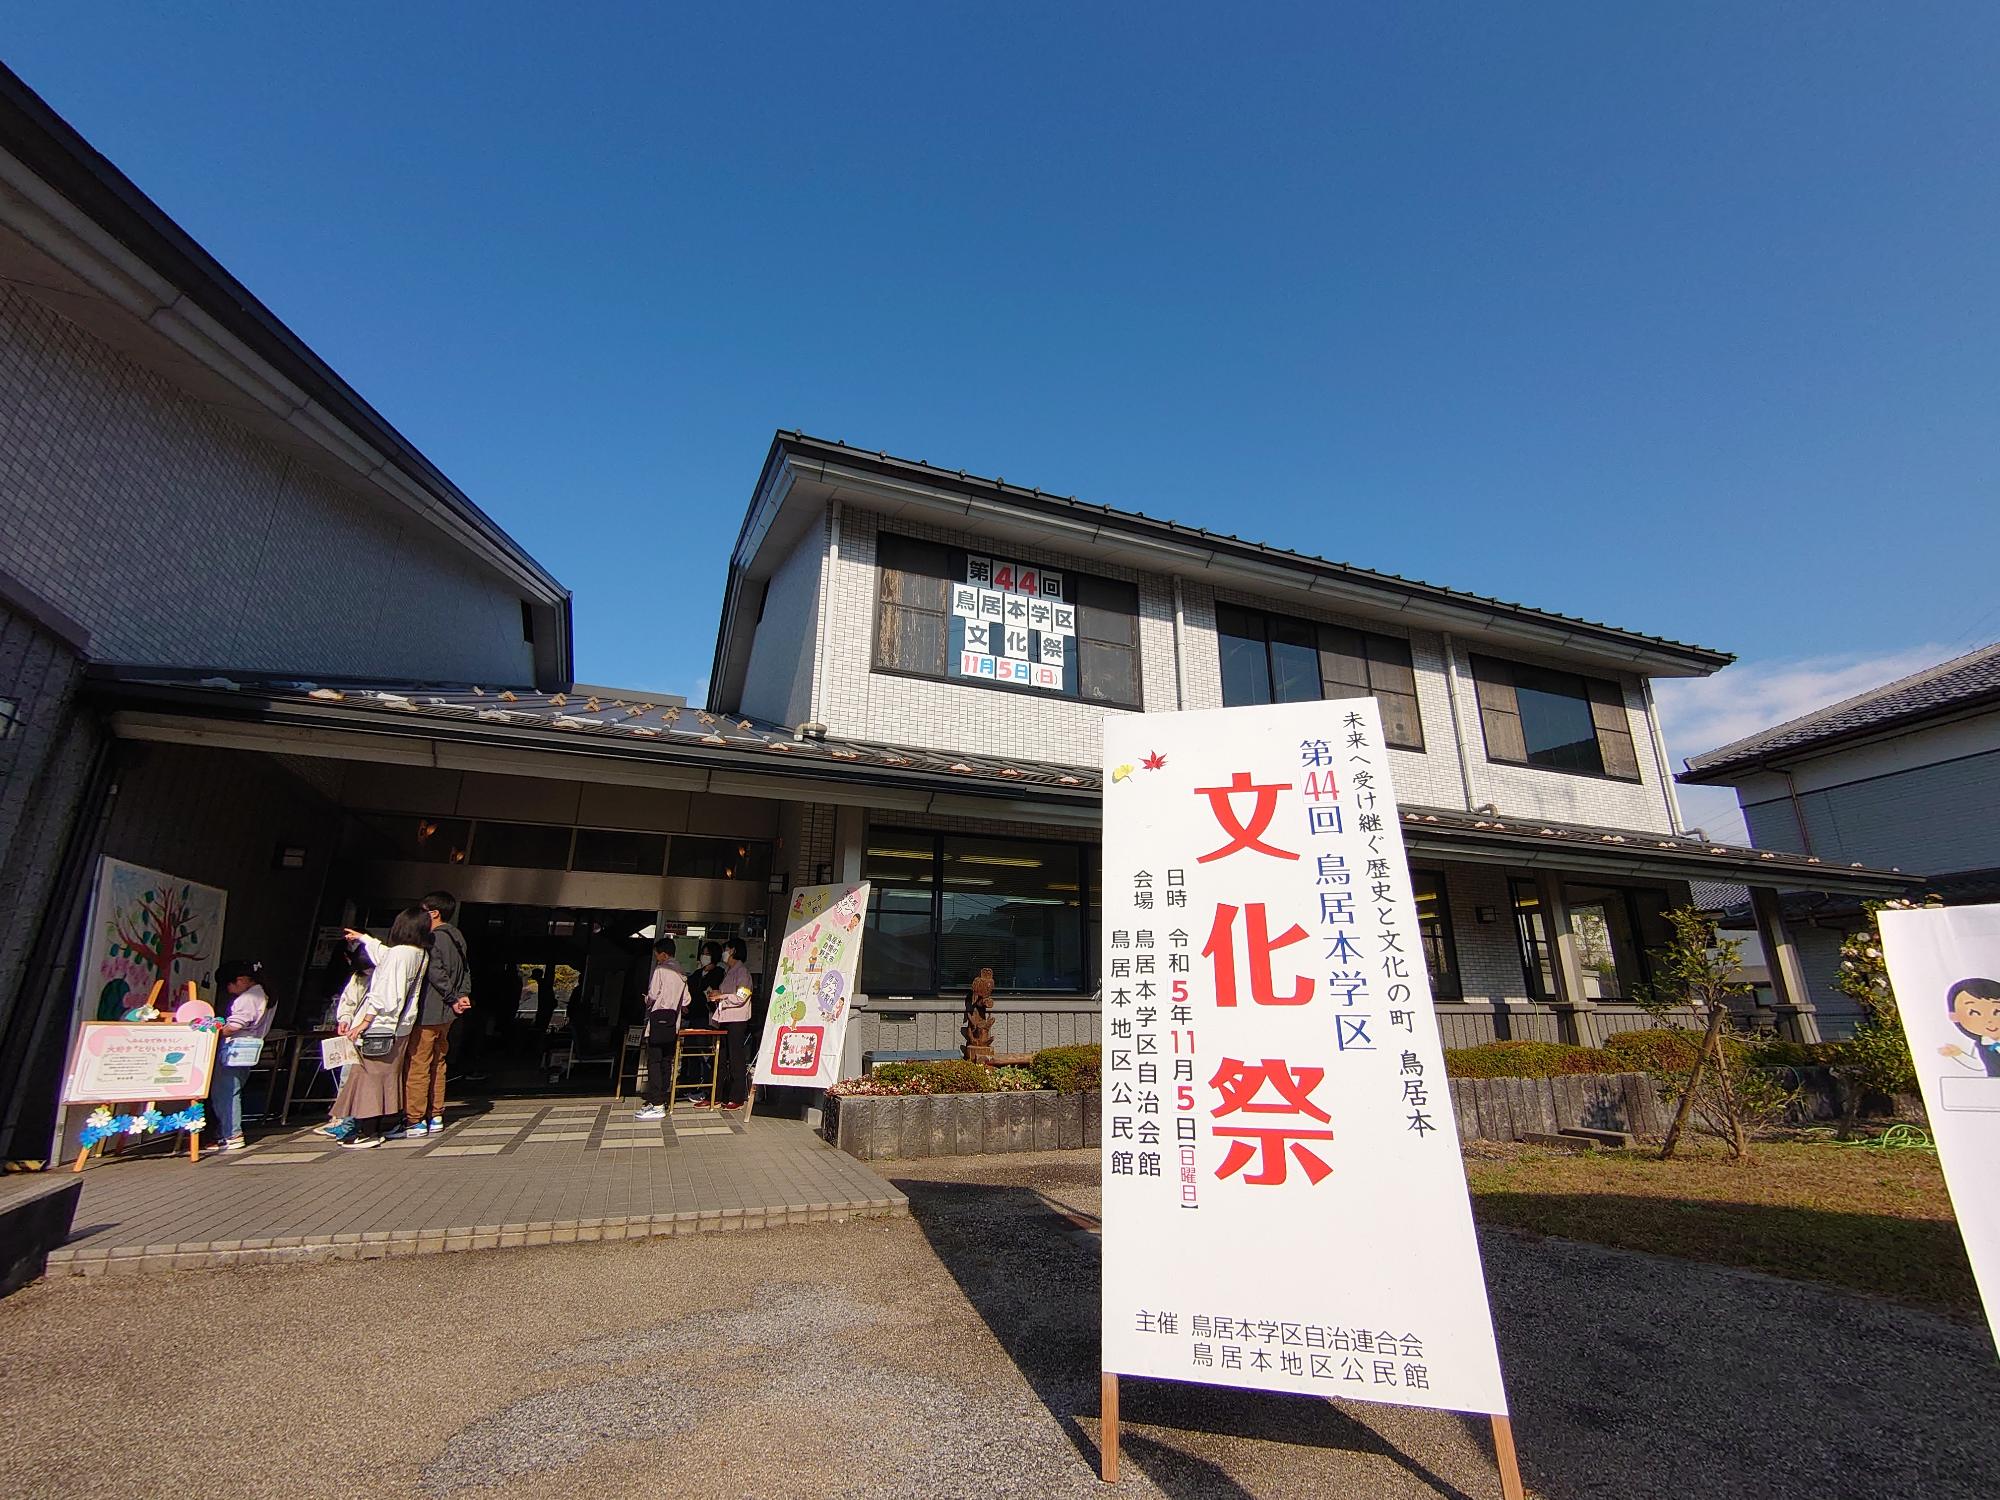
<point x="553" y="990"/>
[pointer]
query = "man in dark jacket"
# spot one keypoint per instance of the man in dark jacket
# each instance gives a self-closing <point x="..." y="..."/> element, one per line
<point x="447" y="996"/>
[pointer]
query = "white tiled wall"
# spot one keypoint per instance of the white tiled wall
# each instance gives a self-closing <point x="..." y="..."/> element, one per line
<point x="176" y="537"/>
<point x="859" y="703"/>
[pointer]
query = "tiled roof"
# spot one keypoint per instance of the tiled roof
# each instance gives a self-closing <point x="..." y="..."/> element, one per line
<point x="1138" y="521"/>
<point x="635" y="724"/>
<point x="632" y="720"/>
<point x="1959" y="683"/>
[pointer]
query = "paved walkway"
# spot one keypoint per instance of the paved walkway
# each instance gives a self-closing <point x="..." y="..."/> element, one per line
<point x="528" y="1172"/>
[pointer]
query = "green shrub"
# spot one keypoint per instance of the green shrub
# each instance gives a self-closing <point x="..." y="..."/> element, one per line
<point x="1527" y="1060"/>
<point x="1663" y="1049"/>
<point x="1067" y="1070"/>
<point x="1775" y="1052"/>
<point x="951" y="1076"/>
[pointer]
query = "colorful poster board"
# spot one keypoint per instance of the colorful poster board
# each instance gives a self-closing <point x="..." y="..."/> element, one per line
<point x="1012" y="622"/>
<point x="118" y="1062"/>
<point x="1284" y="1204"/>
<point x="1944" y="963"/>
<point x="813" y="989"/>
<point x="147" y="925"/>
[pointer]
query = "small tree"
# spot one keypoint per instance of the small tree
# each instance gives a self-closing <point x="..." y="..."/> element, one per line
<point x="1696" y="969"/>
<point x="1877" y="1059"/>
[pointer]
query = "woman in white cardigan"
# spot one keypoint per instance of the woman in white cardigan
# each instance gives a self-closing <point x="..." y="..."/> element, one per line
<point x="372" y="1093"/>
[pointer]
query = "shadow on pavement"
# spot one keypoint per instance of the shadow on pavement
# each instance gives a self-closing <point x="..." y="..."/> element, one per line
<point x="1032" y="1275"/>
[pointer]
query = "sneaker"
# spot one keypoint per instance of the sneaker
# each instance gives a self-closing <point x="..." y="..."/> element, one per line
<point x="338" y="1130"/>
<point x="360" y="1142"/>
<point x="234" y="1143"/>
<point x="397" y="1132"/>
<point x="422" y="1127"/>
<point x="650" y="1112"/>
<point x="437" y="1124"/>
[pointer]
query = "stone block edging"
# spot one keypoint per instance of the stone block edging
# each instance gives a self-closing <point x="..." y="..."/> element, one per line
<point x="395" y="1244"/>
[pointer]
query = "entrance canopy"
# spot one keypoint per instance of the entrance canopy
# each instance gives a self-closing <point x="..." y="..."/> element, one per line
<point x="627" y="738"/>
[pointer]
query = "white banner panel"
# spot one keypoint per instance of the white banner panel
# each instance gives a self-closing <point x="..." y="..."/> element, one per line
<point x="1284" y="1205"/>
<point x="1944" y="963"/>
<point x="812" y="992"/>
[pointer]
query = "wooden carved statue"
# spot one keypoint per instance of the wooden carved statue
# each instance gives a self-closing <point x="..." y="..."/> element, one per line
<point x="978" y="1028"/>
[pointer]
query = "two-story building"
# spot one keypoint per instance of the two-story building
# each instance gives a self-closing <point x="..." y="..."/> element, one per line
<point x="1906" y="774"/>
<point x="876" y="600"/>
<point x="252" y="640"/>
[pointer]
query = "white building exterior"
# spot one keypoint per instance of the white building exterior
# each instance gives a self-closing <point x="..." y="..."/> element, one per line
<point x="1904" y="776"/>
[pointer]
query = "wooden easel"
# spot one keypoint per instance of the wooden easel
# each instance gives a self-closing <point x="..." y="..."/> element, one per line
<point x="1107" y="1441"/>
<point x="193" y="1136"/>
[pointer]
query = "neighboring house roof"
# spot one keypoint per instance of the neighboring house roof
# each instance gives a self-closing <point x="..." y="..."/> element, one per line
<point x="634" y="727"/>
<point x="1194" y="545"/>
<point x="193" y="298"/>
<point x="1950" y="687"/>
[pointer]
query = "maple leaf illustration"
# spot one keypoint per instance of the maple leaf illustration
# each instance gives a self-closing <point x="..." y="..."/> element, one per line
<point x="1154" y="761"/>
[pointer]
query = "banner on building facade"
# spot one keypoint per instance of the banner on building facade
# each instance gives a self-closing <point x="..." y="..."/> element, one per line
<point x="1284" y="1204"/>
<point x="1944" y="964"/>
<point x="1014" y="622"/>
<point x="812" y="991"/>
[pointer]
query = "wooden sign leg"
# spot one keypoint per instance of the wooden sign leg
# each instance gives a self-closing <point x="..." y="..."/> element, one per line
<point x="1503" y="1453"/>
<point x="1107" y="1427"/>
<point x="82" y="1156"/>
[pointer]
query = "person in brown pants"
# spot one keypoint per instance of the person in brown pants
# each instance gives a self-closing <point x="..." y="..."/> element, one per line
<point x="447" y="996"/>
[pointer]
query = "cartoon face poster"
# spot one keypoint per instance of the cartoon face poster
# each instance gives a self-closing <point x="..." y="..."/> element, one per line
<point x="1945" y="965"/>
<point x="814" y="982"/>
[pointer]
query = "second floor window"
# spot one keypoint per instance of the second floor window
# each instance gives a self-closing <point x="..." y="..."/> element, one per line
<point x="994" y="621"/>
<point x="1270" y="659"/>
<point x="1533" y="716"/>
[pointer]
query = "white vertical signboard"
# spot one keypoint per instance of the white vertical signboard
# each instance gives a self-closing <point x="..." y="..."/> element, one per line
<point x="812" y="993"/>
<point x="1944" y="963"/>
<point x="1284" y="1204"/>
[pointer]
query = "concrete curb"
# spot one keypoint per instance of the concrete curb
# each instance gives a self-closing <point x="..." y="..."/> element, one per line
<point x="392" y="1244"/>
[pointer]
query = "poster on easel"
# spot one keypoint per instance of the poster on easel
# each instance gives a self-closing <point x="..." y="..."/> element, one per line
<point x="1275" y="1105"/>
<point x="120" y="1063"/>
<point x="1944" y="964"/>
<point x="812" y="991"/>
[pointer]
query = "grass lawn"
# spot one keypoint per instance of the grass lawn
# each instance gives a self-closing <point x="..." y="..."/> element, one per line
<point x="1874" y="1221"/>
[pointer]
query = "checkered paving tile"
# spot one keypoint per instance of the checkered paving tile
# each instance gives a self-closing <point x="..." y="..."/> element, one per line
<point x="522" y="1175"/>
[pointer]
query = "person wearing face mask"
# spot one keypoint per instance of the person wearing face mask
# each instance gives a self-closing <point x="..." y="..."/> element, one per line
<point x="730" y="999"/>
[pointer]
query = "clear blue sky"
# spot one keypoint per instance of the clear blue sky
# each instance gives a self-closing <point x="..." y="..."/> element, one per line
<point x="1682" y="317"/>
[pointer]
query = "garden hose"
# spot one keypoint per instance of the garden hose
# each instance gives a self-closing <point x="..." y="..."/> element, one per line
<point x="1896" y="1138"/>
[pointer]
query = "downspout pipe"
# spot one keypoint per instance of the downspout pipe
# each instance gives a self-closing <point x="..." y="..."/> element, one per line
<point x="1457" y="721"/>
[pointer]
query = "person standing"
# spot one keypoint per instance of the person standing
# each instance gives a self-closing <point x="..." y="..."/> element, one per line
<point x="372" y="1093"/>
<point x="447" y="996"/>
<point x="730" y="998"/>
<point x="666" y="998"/>
<point x="242" y="1042"/>
<point x="707" y="974"/>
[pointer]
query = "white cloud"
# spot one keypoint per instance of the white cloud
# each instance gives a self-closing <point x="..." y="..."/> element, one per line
<point x="1702" y="713"/>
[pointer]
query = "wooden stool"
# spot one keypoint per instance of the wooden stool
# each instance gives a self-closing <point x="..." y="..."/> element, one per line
<point x="711" y="1052"/>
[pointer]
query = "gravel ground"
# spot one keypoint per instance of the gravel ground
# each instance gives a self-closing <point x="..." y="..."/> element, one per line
<point x="951" y="1354"/>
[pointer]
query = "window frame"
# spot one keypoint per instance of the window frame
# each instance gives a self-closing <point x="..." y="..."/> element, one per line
<point x="1496" y="694"/>
<point x="1087" y="917"/>
<point x="1075" y="578"/>
<point x="1326" y="645"/>
<point x="1455" y="990"/>
<point x="1627" y="896"/>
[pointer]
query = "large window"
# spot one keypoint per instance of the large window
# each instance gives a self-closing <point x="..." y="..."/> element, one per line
<point x="911" y="633"/>
<point x="1616" y="929"/>
<point x="984" y="620"/>
<point x="945" y="906"/>
<point x="1533" y="716"/>
<point x="1434" y="931"/>
<point x="719" y="859"/>
<point x="1272" y="659"/>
